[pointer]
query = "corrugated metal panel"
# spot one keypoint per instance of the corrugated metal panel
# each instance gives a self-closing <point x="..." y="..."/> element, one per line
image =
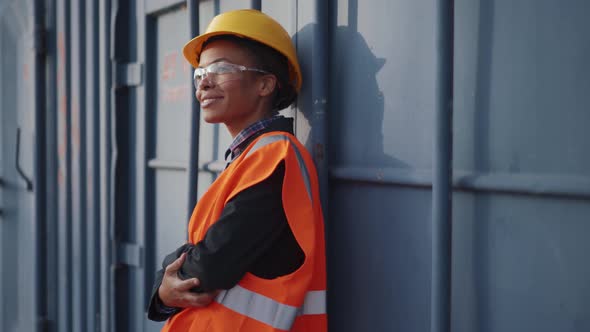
<point x="105" y="157"/>
<point x="64" y="247"/>
<point x="91" y="212"/>
<point x="127" y="231"/>
<point x="171" y="132"/>
<point x="10" y="217"/>
<point x="167" y="95"/>
<point x="51" y="256"/>
<point x="381" y="117"/>
<point x="521" y="144"/>
<point x="78" y="166"/>
<point x="58" y="280"/>
<point x="17" y="227"/>
<point x="170" y="123"/>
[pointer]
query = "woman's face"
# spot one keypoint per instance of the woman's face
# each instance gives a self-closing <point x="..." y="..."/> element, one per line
<point x="232" y="99"/>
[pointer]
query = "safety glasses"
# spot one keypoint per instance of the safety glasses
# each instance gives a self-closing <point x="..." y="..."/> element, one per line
<point x="215" y="70"/>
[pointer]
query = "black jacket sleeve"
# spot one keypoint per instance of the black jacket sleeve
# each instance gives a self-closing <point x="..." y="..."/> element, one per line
<point x="250" y="224"/>
<point x="251" y="235"/>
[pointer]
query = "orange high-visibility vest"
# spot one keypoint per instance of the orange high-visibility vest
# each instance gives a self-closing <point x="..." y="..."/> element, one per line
<point x="295" y="302"/>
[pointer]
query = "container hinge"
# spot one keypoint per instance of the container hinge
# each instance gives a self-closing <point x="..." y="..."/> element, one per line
<point x="127" y="74"/>
<point x="130" y="254"/>
<point x="43" y="324"/>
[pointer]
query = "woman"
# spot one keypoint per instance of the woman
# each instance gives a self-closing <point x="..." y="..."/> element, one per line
<point x="255" y="260"/>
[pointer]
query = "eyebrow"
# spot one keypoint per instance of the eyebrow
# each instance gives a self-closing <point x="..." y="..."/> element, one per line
<point x="214" y="61"/>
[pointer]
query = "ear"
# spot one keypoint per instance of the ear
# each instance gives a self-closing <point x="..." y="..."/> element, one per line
<point x="267" y="84"/>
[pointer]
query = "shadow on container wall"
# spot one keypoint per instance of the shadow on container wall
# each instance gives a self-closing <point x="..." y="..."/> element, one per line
<point x="355" y="104"/>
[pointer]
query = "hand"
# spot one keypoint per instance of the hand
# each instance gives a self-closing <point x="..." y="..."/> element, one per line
<point x="175" y="292"/>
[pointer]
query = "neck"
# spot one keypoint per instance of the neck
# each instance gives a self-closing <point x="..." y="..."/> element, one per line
<point x="235" y="128"/>
<point x="260" y="113"/>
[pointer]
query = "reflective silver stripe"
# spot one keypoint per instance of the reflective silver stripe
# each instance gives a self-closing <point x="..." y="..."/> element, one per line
<point x="269" y="311"/>
<point x="266" y="141"/>
<point x="314" y="303"/>
<point x="276" y="138"/>
<point x="258" y="307"/>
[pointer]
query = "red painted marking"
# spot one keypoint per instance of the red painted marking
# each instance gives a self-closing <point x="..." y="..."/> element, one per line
<point x="186" y="67"/>
<point x="61" y="48"/>
<point x="63" y="100"/>
<point x="174" y="94"/>
<point x="26" y="72"/>
<point x="62" y="140"/>
<point x="169" y="66"/>
<point x="61" y="151"/>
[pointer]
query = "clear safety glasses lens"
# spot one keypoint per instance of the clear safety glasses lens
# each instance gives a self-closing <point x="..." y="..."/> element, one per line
<point x="213" y="70"/>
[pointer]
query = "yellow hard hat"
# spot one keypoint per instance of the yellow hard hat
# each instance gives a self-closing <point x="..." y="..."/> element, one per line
<point x="252" y="24"/>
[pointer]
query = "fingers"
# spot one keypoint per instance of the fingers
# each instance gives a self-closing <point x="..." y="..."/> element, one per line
<point x="175" y="266"/>
<point x="178" y="294"/>
<point x="175" y="292"/>
<point x="199" y="300"/>
<point x="185" y="285"/>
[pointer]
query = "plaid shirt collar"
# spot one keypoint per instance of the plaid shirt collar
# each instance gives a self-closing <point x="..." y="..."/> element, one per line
<point x="236" y="148"/>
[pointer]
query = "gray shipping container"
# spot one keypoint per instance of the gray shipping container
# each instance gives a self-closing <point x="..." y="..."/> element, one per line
<point x="451" y="139"/>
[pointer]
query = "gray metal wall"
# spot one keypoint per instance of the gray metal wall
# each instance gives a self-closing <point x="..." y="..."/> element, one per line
<point x="382" y="106"/>
<point x="523" y="167"/>
<point x="18" y="261"/>
<point x="104" y="104"/>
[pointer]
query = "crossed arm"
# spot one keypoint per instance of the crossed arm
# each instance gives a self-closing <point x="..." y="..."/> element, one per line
<point x="244" y="239"/>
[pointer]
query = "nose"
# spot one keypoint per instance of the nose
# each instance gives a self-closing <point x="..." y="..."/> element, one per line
<point x="205" y="84"/>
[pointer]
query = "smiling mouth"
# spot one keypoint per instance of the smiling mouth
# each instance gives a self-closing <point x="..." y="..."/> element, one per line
<point x="208" y="101"/>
